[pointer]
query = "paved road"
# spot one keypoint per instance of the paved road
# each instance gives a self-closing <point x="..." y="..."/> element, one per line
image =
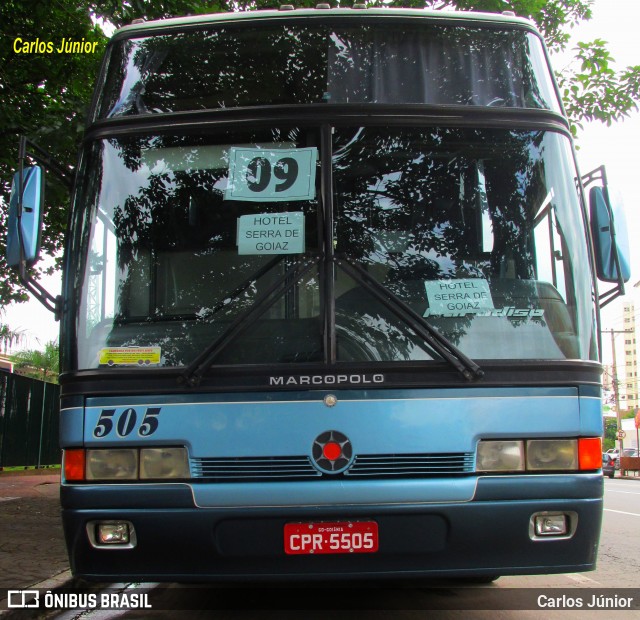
<point x="619" y="555"/>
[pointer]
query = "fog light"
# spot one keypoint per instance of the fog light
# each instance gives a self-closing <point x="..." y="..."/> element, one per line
<point x="550" y="526"/>
<point x="111" y="534"/>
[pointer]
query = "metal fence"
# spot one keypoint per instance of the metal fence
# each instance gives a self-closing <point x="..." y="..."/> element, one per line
<point x="29" y="422"/>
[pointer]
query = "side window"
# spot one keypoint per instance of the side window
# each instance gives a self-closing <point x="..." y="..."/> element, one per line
<point x="550" y="249"/>
<point x="102" y="281"/>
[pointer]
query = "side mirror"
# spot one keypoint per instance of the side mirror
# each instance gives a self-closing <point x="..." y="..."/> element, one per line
<point x="611" y="245"/>
<point x="25" y="217"/>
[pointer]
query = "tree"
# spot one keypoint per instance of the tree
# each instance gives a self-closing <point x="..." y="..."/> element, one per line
<point x="9" y="337"/>
<point x="597" y="92"/>
<point x="42" y="365"/>
<point x="46" y="96"/>
<point x="610" y="433"/>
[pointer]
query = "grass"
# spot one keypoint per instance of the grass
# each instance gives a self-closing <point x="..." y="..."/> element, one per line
<point x="13" y="470"/>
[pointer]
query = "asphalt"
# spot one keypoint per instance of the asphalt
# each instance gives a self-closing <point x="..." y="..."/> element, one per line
<point x="32" y="549"/>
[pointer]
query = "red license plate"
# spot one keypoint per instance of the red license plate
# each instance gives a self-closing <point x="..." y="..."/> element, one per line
<point x="331" y="537"/>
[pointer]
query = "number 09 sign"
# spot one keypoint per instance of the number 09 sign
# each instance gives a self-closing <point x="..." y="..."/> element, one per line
<point x="271" y="175"/>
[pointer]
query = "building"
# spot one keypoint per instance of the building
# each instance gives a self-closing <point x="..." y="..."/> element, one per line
<point x="6" y="363"/>
<point x="628" y="373"/>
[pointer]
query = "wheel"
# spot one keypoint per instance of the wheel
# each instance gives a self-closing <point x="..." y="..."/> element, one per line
<point x="480" y="579"/>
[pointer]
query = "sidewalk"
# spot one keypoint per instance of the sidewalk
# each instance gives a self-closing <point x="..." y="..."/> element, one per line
<point x="32" y="545"/>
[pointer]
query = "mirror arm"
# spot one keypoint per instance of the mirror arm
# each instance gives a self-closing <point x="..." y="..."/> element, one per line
<point x="45" y="159"/>
<point x="610" y="295"/>
<point x="50" y="302"/>
<point x="597" y="174"/>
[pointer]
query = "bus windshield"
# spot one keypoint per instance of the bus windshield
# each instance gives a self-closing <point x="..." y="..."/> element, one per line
<point x="194" y="238"/>
<point x="374" y="62"/>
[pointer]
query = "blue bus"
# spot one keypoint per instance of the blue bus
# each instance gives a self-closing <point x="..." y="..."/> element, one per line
<point x="329" y="305"/>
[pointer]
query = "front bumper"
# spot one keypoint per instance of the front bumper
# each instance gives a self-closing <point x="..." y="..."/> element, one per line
<point x="490" y="535"/>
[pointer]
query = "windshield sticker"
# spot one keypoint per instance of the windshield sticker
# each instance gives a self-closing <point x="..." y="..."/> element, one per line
<point x="508" y="311"/>
<point x="130" y="356"/>
<point x="271" y="233"/>
<point x="463" y="296"/>
<point x="271" y="175"/>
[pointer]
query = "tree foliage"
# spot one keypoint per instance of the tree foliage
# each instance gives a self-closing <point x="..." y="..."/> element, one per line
<point x="596" y="91"/>
<point x="9" y="337"/>
<point x="610" y="433"/>
<point x="44" y="365"/>
<point x="46" y="96"/>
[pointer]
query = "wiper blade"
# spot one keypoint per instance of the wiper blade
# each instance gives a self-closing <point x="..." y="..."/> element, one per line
<point x="441" y="345"/>
<point x="202" y="362"/>
<point x="236" y="292"/>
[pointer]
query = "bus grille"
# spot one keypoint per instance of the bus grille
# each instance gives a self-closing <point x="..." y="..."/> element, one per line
<point x="412" y="465"/>
<point x="254" y="468"/>
<point x="300" y="467"/>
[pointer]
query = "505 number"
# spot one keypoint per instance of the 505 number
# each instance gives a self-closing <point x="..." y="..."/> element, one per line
<point x="126" y="421"/>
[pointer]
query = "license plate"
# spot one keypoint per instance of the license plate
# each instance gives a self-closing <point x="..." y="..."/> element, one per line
<point x="331" y="537"/>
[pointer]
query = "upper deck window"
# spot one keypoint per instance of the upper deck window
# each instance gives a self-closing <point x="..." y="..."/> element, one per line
<point x="305" y="63"/>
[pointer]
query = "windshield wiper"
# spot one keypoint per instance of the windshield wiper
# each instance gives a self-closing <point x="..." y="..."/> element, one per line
<point x="193" y="373"/>
<point x="441" y="345"/>
<point x="236" y="292"/>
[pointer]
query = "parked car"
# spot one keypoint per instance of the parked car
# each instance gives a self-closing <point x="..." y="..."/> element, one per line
<point x="626" y="452"/>
<point x="608" y="465"/>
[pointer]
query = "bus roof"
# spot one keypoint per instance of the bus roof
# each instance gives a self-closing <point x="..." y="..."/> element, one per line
<point x="146" y="28"/>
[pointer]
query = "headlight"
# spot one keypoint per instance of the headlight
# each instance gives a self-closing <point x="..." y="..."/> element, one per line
<point x="500" y="456"/>
<point x="164" y="463"/>
<point x="116" y="464"/>
<point x="550" y="454"/>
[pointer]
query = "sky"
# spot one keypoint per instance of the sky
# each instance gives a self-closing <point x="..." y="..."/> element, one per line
<point x="616" y="146"/>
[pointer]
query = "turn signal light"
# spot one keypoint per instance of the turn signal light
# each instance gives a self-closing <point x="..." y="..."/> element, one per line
<point x="74" y="464"/>
<point x="590" y="453"/>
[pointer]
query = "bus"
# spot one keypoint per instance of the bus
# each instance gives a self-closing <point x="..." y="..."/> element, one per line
<point x="330" y="304"/>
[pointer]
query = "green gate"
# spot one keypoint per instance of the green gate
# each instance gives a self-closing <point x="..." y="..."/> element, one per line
<point x="29" y="422"/>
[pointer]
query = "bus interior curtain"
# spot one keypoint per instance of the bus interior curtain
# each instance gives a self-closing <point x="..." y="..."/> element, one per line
<point x="403" y="68"/>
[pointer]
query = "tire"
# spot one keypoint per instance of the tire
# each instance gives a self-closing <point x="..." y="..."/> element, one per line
<point x="480" y="579"/>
